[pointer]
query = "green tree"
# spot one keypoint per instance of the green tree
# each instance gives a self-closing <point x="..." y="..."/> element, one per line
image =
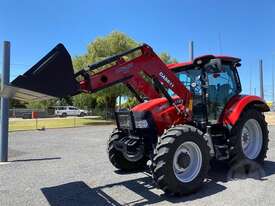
<point x="44" y="104"/>
<point x="166" y="58"/>
<point x="85" y="101"/>
<point x="14" y="103"/>
<point x="131" y="102"/>
<point x="101" y="48"/>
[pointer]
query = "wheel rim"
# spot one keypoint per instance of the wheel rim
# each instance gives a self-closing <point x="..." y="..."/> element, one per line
<point x="252" y="139"/>
<point x="187" y="161"/>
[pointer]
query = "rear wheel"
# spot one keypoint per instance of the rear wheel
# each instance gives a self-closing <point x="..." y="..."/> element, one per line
<point x="181" y="160"/>
<point x="118" y="159"/>
<point x="249" y="139"/>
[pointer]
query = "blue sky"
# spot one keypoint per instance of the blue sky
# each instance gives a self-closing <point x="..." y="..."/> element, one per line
<point x="238" y="28"/>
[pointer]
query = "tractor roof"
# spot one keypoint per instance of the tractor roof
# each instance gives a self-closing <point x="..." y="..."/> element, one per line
<point x="190" y="63"/>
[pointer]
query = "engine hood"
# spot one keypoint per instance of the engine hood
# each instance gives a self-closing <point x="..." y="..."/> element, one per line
<point x="154" y="105"/>
<point x="164" y="114"/>
<point x="158" y="103"/>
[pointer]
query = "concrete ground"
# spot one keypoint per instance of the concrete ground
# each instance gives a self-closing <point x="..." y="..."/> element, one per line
<point x="64" y="167"/>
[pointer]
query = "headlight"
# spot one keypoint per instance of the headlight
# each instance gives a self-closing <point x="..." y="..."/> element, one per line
<point x="141" y="124"/>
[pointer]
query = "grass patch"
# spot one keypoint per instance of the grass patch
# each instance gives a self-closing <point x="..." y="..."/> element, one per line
<point x="33" y="124"/>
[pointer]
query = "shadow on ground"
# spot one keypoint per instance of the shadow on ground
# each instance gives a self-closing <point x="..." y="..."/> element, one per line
<point x="38" y="159"/>
<point x="79" y="193"/>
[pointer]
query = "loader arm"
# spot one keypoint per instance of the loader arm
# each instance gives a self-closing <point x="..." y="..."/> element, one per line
<point x="53" y="76"/>
<point x="132" y="73"/>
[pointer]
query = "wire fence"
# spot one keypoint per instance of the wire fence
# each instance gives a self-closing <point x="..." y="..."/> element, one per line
<point x="19" y="124"/>
<point x="24" y="119"/>
<point x="106" y="113"/>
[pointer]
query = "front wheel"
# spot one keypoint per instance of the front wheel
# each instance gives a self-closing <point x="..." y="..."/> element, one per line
<point x="122" y="161"/>
<point x="181" y="160"/>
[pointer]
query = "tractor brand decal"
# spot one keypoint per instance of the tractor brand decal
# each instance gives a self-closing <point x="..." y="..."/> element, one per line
<point x="165" y="78"/>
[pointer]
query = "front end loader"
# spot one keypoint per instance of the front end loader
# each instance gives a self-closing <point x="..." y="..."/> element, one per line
<point x="189" y="113"/>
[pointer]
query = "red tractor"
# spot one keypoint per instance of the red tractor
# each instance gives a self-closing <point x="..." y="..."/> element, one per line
<point x="189" y="113"/>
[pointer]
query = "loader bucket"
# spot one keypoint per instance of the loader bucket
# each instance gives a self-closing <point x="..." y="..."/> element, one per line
<point x="52" y="76"/>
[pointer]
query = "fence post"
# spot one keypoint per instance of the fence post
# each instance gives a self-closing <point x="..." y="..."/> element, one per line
<point x="4" y="118"/>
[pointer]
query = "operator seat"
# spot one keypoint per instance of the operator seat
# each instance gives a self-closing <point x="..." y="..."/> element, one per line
<point x="212" y="93"/>
<point x="223" y="94"/>
<point x="212" y="101"/>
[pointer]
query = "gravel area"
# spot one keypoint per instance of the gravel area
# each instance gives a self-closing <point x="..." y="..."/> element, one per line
<point x="70" y="167"/>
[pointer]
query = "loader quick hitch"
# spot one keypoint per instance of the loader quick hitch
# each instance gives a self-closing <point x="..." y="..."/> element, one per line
<point x="86" y="77"/>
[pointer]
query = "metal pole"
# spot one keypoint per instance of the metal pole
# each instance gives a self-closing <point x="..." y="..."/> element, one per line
<point x="220" y="42"/>
<point x="4" y="118"/>
<point x="261" y="79"/>
<point x="272" y="67"/>
<point x="250" y="84"/>
<point x="191" y="50"/>
<point x="272" y="86"/>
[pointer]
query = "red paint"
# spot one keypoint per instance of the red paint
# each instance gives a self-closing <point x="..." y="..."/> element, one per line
<point x="235" y="107"/>
<point x="131" y="72"/>
<point x="164" y="114"/>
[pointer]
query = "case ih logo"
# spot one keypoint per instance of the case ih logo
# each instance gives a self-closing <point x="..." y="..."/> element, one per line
<point x="165" y="78"/>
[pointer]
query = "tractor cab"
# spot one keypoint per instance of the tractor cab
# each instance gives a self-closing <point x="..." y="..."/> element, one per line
<point x="212" y="85"/>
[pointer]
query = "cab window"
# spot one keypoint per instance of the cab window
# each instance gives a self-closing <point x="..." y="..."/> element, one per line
<point x="221" y="87"/>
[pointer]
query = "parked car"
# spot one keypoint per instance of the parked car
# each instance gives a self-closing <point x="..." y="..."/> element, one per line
<point x="64" y="111"/>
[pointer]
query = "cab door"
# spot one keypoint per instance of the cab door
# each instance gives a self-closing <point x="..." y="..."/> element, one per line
<point x="222" y="85"/>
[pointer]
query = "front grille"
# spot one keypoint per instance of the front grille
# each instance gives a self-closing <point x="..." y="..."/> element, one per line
<point x="125" y="120"/>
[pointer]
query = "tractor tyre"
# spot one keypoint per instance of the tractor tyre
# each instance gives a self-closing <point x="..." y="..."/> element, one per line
<point x="181" y="160"/>
<point x="117" y="158"/>
<point x="249" y="139"/>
